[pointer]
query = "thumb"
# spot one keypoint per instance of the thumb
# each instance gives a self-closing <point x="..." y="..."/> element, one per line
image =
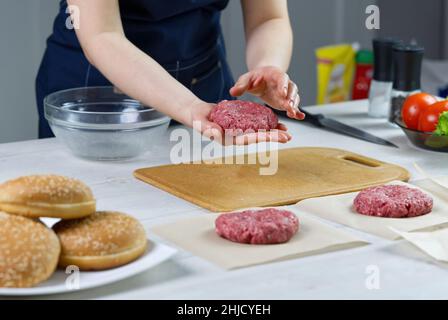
<point x="241" y="85"/>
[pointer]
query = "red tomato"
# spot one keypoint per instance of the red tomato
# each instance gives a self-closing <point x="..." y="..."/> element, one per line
<point x="430" y="117"/>
<point x="413" y="106"/>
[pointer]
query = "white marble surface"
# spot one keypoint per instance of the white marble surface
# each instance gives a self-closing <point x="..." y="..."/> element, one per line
<point x="404" y="272"/>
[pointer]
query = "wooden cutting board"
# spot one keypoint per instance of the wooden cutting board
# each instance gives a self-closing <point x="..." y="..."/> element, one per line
<point x="302" y="173"/>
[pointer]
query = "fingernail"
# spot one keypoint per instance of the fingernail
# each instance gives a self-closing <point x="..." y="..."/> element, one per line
<point x="285" y="91"/>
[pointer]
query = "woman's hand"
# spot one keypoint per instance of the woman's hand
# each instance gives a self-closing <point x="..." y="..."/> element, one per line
<point x="274" y="87"/>
<point x="199" y="121"/>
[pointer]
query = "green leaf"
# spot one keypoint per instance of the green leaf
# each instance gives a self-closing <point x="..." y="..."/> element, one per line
<point x="442" y="125"/>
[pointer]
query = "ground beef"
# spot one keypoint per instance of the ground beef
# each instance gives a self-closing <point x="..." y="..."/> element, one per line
<point x="393" y="201"/>
<point x="266" y="226"/>
<point x="241" y="116"/>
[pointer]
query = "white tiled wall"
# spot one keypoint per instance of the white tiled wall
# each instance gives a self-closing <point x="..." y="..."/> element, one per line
<point x="24" y="26"/>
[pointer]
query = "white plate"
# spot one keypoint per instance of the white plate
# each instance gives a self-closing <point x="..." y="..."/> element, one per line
<point x="156" y="254"/>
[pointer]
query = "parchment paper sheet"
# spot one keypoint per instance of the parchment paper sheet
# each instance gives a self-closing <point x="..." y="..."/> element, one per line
<point x="339" y="208"/>
<point x="433" y="243"/>
<point x="442" y="181"/>
<point x="198" y="236"/>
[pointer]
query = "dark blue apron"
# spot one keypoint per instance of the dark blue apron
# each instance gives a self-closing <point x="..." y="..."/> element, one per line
<point x="184" y="36"/>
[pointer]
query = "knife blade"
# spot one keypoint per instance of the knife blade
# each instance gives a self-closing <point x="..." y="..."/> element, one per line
<point x="321" y="121"/>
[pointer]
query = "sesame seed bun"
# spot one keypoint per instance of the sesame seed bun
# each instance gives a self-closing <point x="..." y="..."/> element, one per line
<point x="47" y="196"/>
<point x="29" y="252"/>
<point x="101" y="241"/>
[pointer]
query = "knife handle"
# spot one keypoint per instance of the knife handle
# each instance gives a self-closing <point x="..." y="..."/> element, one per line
<point x="313" y="118"/>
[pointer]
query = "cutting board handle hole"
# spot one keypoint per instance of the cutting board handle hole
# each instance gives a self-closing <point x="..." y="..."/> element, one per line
<point x="362" y="161"/>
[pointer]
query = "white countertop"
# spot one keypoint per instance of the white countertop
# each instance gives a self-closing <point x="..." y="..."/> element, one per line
<point x="405" y="272"/>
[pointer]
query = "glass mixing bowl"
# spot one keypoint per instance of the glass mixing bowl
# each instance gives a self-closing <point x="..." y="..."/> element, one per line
<point x="424" y="140"/>
<point x="98" y="123"/>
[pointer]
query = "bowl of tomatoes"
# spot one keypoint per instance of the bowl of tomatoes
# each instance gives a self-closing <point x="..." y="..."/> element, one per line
<point x="424" y="120"/>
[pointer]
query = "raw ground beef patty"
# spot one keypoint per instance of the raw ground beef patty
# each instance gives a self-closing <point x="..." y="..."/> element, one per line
<point x="265" y="226"/>
<point x="243" y="115"/>
<point x="393" y="201"/>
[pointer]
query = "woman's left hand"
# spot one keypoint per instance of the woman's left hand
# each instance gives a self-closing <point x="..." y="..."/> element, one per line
<point x="274" y="87"/>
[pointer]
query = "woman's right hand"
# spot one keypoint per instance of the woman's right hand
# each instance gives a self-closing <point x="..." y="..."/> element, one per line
<point x="199" y="113"/>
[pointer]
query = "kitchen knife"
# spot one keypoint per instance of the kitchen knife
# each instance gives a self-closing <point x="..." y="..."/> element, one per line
<point x="321" y="121"/>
